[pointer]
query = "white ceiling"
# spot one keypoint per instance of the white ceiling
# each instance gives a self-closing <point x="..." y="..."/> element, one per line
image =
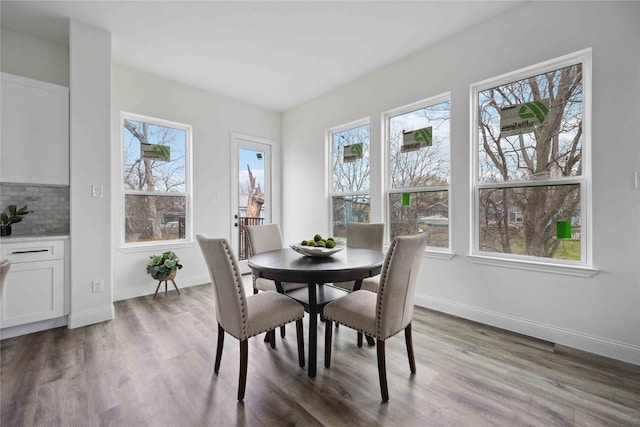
<point x="273" y="54"/>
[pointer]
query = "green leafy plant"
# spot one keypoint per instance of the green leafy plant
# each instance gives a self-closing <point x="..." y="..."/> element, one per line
<point x="161" y="265"/>
<point x="15" y="215"/>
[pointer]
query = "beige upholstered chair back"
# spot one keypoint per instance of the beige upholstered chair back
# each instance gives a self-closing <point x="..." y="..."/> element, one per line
<point x="398" y="284"/>
<point x="365" y="236"/>
<point x="228" y="289"/>
<point x="264" y="238"/>
<point x="5" y="264"/>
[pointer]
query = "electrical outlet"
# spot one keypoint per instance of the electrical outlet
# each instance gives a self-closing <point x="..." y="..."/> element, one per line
<point x="97" y="190"/>
<point x="97" y="286"/>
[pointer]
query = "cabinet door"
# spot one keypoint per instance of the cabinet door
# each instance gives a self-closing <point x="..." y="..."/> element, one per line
<point x="33" y="291"/>
<point x="35" y="131"/>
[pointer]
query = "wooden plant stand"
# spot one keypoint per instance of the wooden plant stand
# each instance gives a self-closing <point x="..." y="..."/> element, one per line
<point x="165" y="280"/>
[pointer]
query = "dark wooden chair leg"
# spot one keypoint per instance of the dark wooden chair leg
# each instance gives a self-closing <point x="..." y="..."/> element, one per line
<point x="370" y="341"/>
<point x="272" y="338"/>
<point x="216" y="367"/>
<point x="409" y="340"/>
<point x="359" y="339"/>
<point x="382" y="372"/>
<point x="282" y="331"/>
<point x="244" y="356"/>
<point x="300" y="336"/>
<point x="328" y="325"/>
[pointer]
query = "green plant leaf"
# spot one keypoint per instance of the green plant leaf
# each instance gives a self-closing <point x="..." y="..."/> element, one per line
<point x="161" y="265"/>
<point x="15" y="215"/>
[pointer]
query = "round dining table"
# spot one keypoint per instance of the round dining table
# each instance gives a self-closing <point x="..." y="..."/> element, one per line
<point x="286" y="265"/>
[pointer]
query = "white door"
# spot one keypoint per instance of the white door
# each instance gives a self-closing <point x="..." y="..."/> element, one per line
<point x="251" y="192"/>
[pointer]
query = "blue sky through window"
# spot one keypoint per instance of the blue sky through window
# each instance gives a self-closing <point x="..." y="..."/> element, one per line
<point x="255" y="159"/>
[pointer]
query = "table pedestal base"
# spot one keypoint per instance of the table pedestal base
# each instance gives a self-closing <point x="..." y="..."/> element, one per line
<point x="314" y="299"/>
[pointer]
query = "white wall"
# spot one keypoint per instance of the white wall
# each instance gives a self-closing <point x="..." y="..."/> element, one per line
<point x="600" y="314"/>
<point x="90" y="150"/>
<point x="213" y="119"/>
<point x="34" y="58"/>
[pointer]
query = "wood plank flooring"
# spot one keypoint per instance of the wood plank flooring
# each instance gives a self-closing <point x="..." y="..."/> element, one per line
<point x="153" y="366"/>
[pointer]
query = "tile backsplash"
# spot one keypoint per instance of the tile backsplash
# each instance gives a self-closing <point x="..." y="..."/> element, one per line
<point x="48" y="207"/>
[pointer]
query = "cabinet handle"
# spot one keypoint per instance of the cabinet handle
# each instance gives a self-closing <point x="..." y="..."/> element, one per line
<point x="30" y="252"/>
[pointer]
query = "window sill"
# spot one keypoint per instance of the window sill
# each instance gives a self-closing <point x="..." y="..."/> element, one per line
<point x="438" y="254"/>
<point x="544" y="267"/>
<point x="161" y="246"/>
<point x="431" y="253"/>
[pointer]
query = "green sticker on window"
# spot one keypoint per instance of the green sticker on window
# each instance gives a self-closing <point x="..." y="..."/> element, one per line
<point x="563" y="229"/>
<point x="155" y="152"/>
<point x="352" y="152"/>
<point x="406" y="199"/>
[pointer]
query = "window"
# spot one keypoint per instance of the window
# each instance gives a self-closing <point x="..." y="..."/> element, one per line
<point x="155" y="179"/>
<point x="419" y="168"/>
<point x="531" y="172"/>
<point x="350" y="175"/>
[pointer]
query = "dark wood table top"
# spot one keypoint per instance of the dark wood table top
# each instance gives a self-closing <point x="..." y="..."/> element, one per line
<point x="286" y="265"/>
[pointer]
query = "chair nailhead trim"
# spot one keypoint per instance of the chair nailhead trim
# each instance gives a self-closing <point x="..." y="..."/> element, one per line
<point x="383" y="283"/>
<point x="243" y="308"/>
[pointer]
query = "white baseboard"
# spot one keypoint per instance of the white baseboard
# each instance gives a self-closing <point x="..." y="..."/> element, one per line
<point x="77" y="320"/>
<point x="29" y="328"/>
<point x="592" y="344"/>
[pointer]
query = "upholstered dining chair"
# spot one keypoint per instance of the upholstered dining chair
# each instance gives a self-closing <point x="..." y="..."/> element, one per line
<point x="383" y="314"/>
<point x="5" y="265"/>
<point x="264" y="238"/>
<point x="364" y="236"/>
<point x="241" y="316"/>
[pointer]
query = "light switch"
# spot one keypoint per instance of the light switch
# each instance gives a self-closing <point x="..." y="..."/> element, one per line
<point x="96" y="190"/>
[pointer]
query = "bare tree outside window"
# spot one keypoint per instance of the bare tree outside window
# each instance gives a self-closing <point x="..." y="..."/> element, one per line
<point x="255" y="198"/>
<point x="350" y="183"/>
<point x="154" y="183"/>
<point x="428" y="165"/>
<point x="419" y="177"/>
<point x="351" y="176"/>
<point x="530" y="178"/>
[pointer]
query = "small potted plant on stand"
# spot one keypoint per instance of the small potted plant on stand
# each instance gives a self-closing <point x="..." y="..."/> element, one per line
<point x="14" y="216"/>
<point x="163" y="267"/>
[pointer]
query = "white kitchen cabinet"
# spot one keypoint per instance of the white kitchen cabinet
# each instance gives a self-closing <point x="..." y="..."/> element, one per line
<point x="35" y="286"/>
<point x="35" y="131"/>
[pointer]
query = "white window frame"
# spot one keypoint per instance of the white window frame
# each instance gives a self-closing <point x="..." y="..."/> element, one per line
<point x="444" y="253"/>
<point x="158" y="244"/>
<point x="584" y="267"/>
<point x="329" y="144"/>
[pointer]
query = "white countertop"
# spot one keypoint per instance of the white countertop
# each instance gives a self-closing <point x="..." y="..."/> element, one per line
<point x="35" y="238"/>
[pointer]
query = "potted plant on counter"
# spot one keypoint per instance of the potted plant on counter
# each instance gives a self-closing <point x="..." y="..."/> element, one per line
<point x="164" y="266"/>
<point x="14" y="216"/>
